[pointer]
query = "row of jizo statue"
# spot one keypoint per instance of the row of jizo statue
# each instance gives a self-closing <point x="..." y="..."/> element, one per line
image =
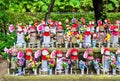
<point x="44" y="62"/>
<point x="53" y="35"/>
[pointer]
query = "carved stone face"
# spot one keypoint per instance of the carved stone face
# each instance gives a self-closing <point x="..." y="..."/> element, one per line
<point x="47" y="29"/>
<point x="75" y="53"/>
<point x="45" y="52"/>
<point x="107" y="52"/>
<point x="29" y="53"/>
<point x="59" y="55"/>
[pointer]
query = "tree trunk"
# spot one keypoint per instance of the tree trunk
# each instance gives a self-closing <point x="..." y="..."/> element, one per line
<point x="98" y="9"/>
<point x="49" y="10"/>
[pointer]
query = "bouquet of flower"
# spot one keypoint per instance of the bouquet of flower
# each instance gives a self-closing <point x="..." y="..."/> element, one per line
<point x="65" y="63"/>
<point x="33" y="64"/>
<point x="113" y="61"/>
<point x="51" y="63"/>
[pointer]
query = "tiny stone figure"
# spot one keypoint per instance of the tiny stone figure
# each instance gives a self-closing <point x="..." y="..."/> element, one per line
<point x="28" y="58"/>
<point x="88" y="55"/>
<point x="20" y="37"/>
<point x="32" y="35"/>
<point x="92" y="26"/>
<point x="101" y="33"/>
<point x="87" y="38"/>
<point x="73" y="54"/>
<point x="46" y="37"/>
<point x="59" y="62"/>
<point x="21" y="61"/>
<point x="45" y="57"/>
<point x="115" y="34"/>
<point x="14" y="53"/>
<point x="75" y="35"/>
<point x="59" y="37"/>
<point x="105" y="60"/>
<point x="53" y="32"/>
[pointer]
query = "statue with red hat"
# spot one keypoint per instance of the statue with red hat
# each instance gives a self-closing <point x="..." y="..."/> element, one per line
<point x="45" y="60"/>
<point x="74" y="35"/>
<point x="73" y="55"/>
<point x="89" y="56"/>
<point x="20" y="37"/>
<point x="46" y="37"/>
<point x="87" y="38"/>
<point x="53" y="28"/>
<point x="115" y="34"/>
<point x="60" y="36"/>
<point x="13" y="55"/>
<point x="92" y="26"/>
<point x="105" y="60"/>
<point x="32" y="35"/>
<point x="28" y="58"/>
<point x="59" y="61"/>
<point x="101" y="32"/>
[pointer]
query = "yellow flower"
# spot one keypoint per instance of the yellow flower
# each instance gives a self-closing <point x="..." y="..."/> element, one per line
<point x="8" y="60"/>
<point x="47" y="56"/>
<point x="80" y="36"/>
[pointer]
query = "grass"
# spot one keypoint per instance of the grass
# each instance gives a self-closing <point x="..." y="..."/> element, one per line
<point x="62" y="77"/>
<point x="65" y="49"/>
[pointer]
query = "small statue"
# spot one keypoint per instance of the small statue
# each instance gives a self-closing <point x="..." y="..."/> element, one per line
<point x="60" y="37"/>
<point x="59" y="61"/>
<point x="115" y="34"/>
<point x="105" y="59"/>
<point x="74" y="36"/>
<point x="20" y="37"/>
<point x="73" y="54"/>
<point x="46" y="37"/>
<point x="14" y="53"/>
<point x="32" y="36"/>
<point x="92" y="26"/>
<point x="45" y="58"/>
<point x="28" y="58"/>
<point x="87" y="38"/>
<point x="101" y="33"/>
<point x="88" y="55"/>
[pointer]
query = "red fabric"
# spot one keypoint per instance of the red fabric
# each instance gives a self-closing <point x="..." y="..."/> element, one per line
<point x="74" y="57"/>
<point x="27" y="57"/>
<point x="87" y="33"/>
<point x="46" y="33"/>
<point x="115" y="33"/>
<point x="74" y="33"/>
<point x="44" y="58"/>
